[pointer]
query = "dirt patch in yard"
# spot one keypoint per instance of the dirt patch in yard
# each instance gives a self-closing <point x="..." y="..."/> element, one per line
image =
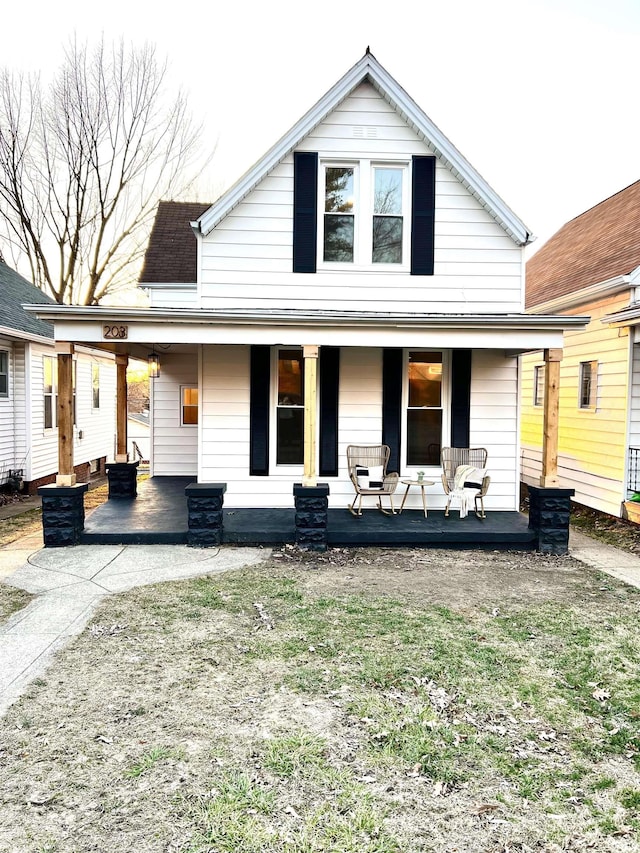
<point x="365" y="700"/>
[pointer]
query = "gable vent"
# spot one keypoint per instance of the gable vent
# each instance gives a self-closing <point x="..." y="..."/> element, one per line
<point x="360" y="132"/>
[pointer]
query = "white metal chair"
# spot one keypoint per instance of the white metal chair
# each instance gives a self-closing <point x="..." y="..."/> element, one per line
<point x="453" y="458"/>
<point x="367" y="465"/>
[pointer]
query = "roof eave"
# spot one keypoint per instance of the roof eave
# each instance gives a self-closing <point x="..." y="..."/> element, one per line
<point x="369" y="68"/>
<point x="585" y="294"/>
<point x="317" y="318"/>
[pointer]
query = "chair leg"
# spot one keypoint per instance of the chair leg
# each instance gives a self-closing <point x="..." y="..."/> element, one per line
<point x="352" y="507"/>
<point x="480" y="514"/>
<point x="446" y="509"/>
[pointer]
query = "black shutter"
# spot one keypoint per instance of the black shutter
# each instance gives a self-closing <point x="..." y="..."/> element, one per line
<point x="329" y="384"/>
<point x="423" y="204"/>
<point x="305" y="211"/>
<point x="259" y="383"/>
<point x="392" y="404"/>
<point x="460" y="397"/>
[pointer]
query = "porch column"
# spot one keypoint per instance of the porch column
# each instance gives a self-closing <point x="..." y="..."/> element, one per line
<point x="66" y="474"/>
<point x="310" y="354"/>
<point x="121" y="408"/>
<point x="552" y="359"/>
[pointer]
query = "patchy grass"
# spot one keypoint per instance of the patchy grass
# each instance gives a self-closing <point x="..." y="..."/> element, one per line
<point x="274" y="710"/>
<point x="12" y="600"/>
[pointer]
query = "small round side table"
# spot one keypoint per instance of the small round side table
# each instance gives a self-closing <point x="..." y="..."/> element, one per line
<point x="422" y="484"/>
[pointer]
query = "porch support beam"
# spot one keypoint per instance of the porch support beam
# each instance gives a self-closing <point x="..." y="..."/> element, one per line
<point x="310" y="354"/>
<point x="549" y="476"/>
<point x="122" y="362"/>
<point x="66" y="474"/>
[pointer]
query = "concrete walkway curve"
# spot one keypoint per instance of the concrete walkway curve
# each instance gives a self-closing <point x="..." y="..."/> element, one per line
<point x="70" y="582"/>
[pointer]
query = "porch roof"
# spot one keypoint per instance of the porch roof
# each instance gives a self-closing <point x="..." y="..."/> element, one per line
<point x="127" y="329"/>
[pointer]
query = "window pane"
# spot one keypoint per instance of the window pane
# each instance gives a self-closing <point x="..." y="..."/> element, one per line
<point x="425" y="379"/>
<point x="190" y="415"/>
<point x="47" y="364"/>
<point x="190" y="396"/>
<point x="387" y="240"/>
<point x="588" y="384"/>
<point x="424" y="431"/>
<point x="338" y="238"/>
<point x="290" y="378"/>
<point x="538" y="392"/>
<point x="338" y="191"/>
<point x="4" y="385"/>
<point x="48" y="412"/>
<point x="95" y="385"/>
<point x="290" y="438"/>
<point x="388" y="191"/>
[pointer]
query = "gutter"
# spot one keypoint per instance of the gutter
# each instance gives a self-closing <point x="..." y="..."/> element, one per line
<point x="307" y="317"/>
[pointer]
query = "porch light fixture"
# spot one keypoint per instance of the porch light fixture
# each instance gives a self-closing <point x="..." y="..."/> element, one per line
<point x="154" y="365"/>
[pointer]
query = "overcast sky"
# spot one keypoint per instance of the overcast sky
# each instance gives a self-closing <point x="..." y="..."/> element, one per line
<point x="541" y="96"/>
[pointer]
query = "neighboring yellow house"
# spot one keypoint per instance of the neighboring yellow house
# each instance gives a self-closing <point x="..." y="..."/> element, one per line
<point x="591" y="266"/>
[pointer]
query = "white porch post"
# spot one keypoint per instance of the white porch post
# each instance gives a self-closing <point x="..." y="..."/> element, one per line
<point x="66" y="475"/>
<point x="310" y="355"/>
<point x="552" y="359"/>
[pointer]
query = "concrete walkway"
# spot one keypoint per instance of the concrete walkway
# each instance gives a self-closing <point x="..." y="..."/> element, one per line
<point x="70" y="582"/>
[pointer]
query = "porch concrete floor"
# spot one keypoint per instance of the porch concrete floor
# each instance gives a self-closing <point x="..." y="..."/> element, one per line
<point x="159" y="516"/>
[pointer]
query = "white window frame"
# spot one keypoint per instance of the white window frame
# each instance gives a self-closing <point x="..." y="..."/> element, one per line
<point x="274" y="465"/>
<point x="592" y="403"/>
<point x="445" y="405"/>
<point x="5" y="352"/>
<point x="363" y="191"/>
<point x="183" y="405"/>
<point x="95" y="386"/>
<point x="539" y="372"/>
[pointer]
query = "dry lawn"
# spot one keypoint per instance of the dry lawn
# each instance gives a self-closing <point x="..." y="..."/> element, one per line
<point x="364" y="700"/>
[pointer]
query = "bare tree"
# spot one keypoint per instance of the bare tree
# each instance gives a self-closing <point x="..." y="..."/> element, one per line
<point x="84" y="162"/>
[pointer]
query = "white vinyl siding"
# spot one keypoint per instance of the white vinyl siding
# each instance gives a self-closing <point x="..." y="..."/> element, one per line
<point x="7" y="419"/>
<point x="247" y="258"/>
<point x="494" y="424"/>
<point x="96" y="426"/>
<point x="175" y="447"/>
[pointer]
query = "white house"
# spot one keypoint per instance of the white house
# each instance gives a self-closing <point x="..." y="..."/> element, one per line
<point x="28" y="379"/>
<point x="361" y="284"/>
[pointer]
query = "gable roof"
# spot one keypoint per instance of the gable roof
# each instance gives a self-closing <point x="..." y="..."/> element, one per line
<point x="171" y="256"/>
<point x="369" y="69"/>
<point x="597" y="246"/>
<point x="16" y="291"/>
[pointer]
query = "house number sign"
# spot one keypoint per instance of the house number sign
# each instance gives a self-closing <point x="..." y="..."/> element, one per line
<point x="115" y="333"/>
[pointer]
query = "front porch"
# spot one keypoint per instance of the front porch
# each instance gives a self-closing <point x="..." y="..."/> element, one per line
<point x="158" y="515"/>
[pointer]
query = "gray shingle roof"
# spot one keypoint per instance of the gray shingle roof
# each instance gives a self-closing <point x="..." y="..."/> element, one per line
<point x="16" y="291"/>
<point x="172" y="251"/>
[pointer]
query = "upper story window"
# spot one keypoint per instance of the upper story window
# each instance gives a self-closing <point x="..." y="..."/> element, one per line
<point x="588" y="384"/>
<point x="4" y="373"/>
<point x="538" y="385"/>
<point x="364" y="213"/>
